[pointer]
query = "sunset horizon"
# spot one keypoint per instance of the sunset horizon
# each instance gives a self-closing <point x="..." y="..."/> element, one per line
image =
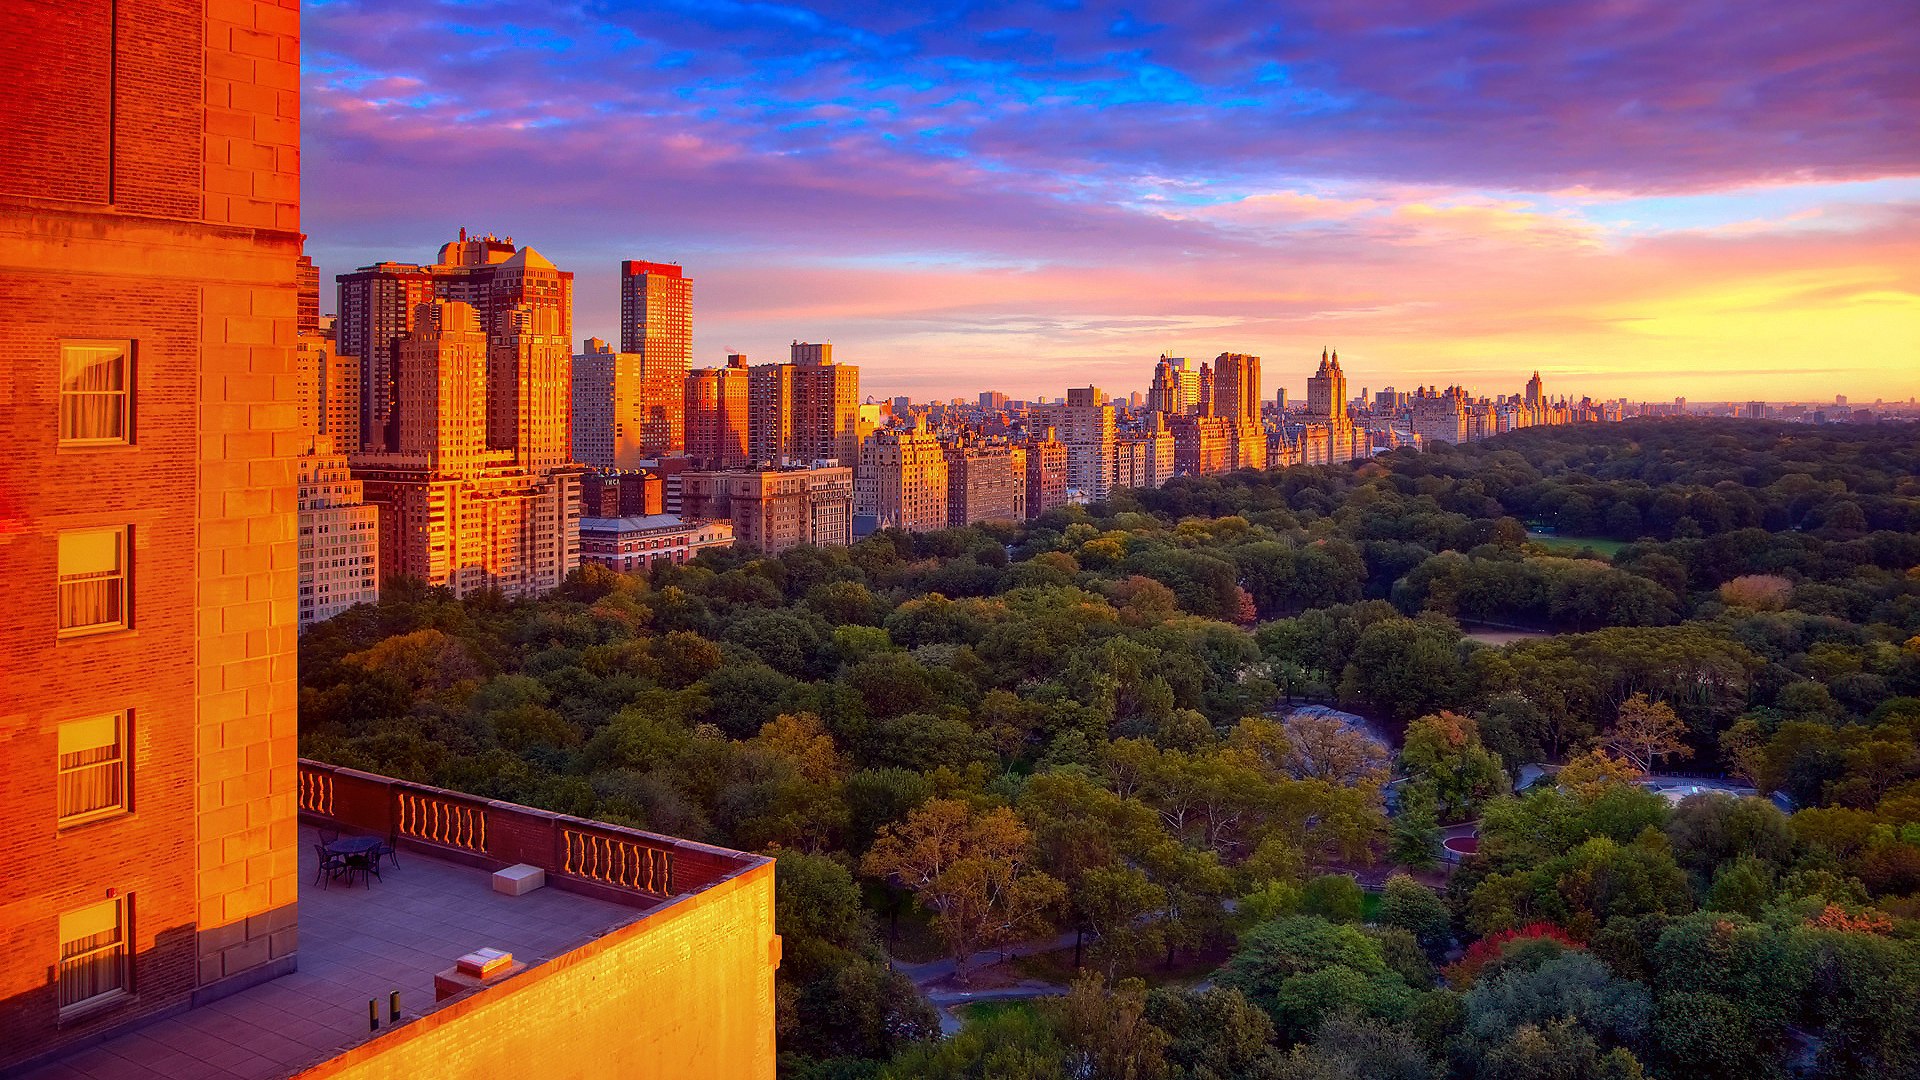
<point x="1643" y="202"/>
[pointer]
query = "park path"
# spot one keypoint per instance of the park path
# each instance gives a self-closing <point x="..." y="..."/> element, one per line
<point x="931" y="979"/>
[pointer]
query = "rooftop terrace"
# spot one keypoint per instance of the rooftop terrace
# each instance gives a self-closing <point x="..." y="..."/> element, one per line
<point x="362" y="942"/>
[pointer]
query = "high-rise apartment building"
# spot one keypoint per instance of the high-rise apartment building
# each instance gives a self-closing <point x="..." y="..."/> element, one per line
<point x="1440" y="416"/>
<point x="1176" y="386"/>
<point x="902" y="481"/>
<point x="456" y="510"/>
<point x="774" y="509"/>
<point x="607" y="404"/>
<point x="1085" y="425"/>
<point x="149" y="240"/>
<point x="488" y="274"/>
<point x="656" y="324"/>
<point x="306" y="311"/>
<point x="327" y="390"/>
<point x="986" y="481"/>
<point x="1046" y="473"/>
<point x="339" y="536"/>
<point x="1236" y="387"/>
<point x="1144" y="458"/>
<point x="1327" y="409"/>
<point x="805" y="410"/>
<point x="717" y="412"/>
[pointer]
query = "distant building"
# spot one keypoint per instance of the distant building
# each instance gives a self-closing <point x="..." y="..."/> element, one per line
<point x="774" y="509"/>
<point x="1046" y="473"/>
<point x="1144" y="458"/>
<point x="455" y="511"/>
<point x="1336" y="438"/>
<point x="656" y="324"/>
<point x="805" y="410"/>
<point x="327" y="391"/>
<point x="1440" y="416"/>
<point x="606" y="407"/>
<point x="1202" y="445"/>
<point x="628" y="544"/>
<point x="1085" y="425"/>
<point x="986" y="482"/>
<point x="633" y="493"/>
<point x="339" y="536"/>
<point x="902" y="481"/>
<point x="717" y="412"/>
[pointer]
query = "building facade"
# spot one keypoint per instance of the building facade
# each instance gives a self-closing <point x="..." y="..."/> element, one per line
<point x="902" y="481"/>
<point x="339" y="536"/>
<point x="985" y="482"/>
<point x="1046" y="473"/>
<point x="717" y="414"/>
<point x="656" y="324"/>
<point x="772" y="510"/>
<point x="629" y="544"/>
<point x="606" y="407"/>
<point x="149" y="238"/>
<point x="1085" y="426"/>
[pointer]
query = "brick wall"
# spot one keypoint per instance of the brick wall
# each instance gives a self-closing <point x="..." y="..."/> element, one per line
<point x="183" y="115"/>
<point x="683" y="994"/>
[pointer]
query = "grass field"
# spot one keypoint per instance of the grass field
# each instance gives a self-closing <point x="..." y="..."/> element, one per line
<point x="981" y="1010"/>
<point x="1569" y="545"/>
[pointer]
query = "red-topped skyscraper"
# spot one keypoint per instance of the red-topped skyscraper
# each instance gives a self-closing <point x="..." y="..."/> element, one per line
<point x="656" y="323"/>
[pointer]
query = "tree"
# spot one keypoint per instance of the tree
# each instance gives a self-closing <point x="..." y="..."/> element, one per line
<point x="1414" y="833"/>
<point x="1335" y="897"/>
<point x="1321" y="747"/>
<point x="1443" y="750"/>
<point x="1646" y="732"/>
<point x="1106" y="1031"/>
<point x="1413" y="907"/>
<point x="973" y="870"/>
<point x="1616" y="1012"/>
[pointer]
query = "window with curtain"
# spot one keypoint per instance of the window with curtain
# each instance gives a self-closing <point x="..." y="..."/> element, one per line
<point x="93" y="955"/>
<point x="96" y="392"/>
<point x="93" y="580"/>
<point x="93" y="768"/>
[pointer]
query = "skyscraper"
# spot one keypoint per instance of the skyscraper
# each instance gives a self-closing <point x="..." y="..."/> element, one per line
<point x="148" y="562"/>
<point x="656" y="324"/>
<point x="455" y="510"/>
<point x="717" y="410"/>
<point x="1327" y="409"/>
<point x="1085" y="424"/>
<point x="486" y="273"/>
<point x="1236" y="387"/>
<point x="805" y="410"/>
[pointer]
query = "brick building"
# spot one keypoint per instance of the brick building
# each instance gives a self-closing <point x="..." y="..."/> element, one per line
<point x="985" y="482"/>
<point x="774" y="509"/>
<point x="804" y="411"/>
<point x="149" y="238"/>
<point x="1046" y="473"/>
<point x="628" y="544"/>
<point x="716" y="414"/>
<point x="339" y="536"/>
<point x="902" y="481"/>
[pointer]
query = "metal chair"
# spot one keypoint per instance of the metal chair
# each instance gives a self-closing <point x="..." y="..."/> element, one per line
<point x="390" y="849"/>
<point x="366" y="864"/>
<point x="331" y="866"/>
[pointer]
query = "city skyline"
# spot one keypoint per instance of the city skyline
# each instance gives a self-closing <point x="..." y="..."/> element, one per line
<point x="1074" y="191"/>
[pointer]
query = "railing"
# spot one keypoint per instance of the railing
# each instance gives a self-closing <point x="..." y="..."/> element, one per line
<point x="587" y="856"/>
<point x="437" y="819"/>
<point x="617" y="861"/>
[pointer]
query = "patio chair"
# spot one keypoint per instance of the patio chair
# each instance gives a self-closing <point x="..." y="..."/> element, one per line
<point x="331" y="866"/>
<point x="328" y="836"/>
<point x="366" y="865"/>
<point x="390" y="849"/>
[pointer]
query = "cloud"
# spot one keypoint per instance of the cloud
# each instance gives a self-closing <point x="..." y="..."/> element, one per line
<point x="1074" y="186"/>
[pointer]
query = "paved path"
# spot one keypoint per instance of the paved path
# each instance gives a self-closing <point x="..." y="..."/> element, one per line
<point x="933" y="971"/>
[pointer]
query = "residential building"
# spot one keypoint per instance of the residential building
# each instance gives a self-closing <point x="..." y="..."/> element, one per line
<point x="632" y="493"/>
<point x="629" y="544"/>
<point x="1327" y="409"/>
<point x="327" y="390"/>
<point x="804" y="411"/>
<point x="774" y="509"/>
<point x="607" y="407"/>
<point x="454" y="509"/>
<point x="1144" y="458"/>
<point x="487" y="273"/>
<point x="1085" y="425"/>
<point x="902" y="481"/>
<point x="1202" y="445"/>
<point x="1439" y="416"/>
<point x="717" y="411"/>
<point x="656" y="324"/>
<point x="1046" y="473"/>
<point x="148" y="547"/>
<point x="986" y="481"/>
<point x="339" y="536"/>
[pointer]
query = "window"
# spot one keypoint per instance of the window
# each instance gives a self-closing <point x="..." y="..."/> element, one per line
<point x="93" y="768"/>
<point x="93" y="956"/>
<point x="93" y="580"/>
<point x="96" y="382"/>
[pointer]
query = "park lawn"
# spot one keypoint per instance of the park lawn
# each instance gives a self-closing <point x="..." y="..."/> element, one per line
<point x="1570" y="545"/>
<point x="975" y="1011"/>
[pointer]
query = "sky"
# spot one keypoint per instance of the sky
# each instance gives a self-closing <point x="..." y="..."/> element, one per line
<point x="1641" y="199"/>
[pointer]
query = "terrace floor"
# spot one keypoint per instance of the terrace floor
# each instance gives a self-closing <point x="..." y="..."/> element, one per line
<point x="355" y="944"/>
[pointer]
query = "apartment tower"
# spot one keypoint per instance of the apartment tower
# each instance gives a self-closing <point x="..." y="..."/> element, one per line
<point x="656" y="323"/>
<point x="149" y="238"/>
<point x="717" y="412"/>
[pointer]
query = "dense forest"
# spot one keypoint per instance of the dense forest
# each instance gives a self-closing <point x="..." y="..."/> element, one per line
<point x="1086" y="725"/>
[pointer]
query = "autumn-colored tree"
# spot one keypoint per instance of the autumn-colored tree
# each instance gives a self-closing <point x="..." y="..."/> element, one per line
<point x="1646" y="732"/>
<point x="1761" y="592"/>
<point x="1107" y="1033"/>
<point x="1327" y="748"/>
<point x="1869" y="921"/>
<point x="802" y="740"/>
<point x="1594" y="772"/>
<point x="972" y="869"/>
